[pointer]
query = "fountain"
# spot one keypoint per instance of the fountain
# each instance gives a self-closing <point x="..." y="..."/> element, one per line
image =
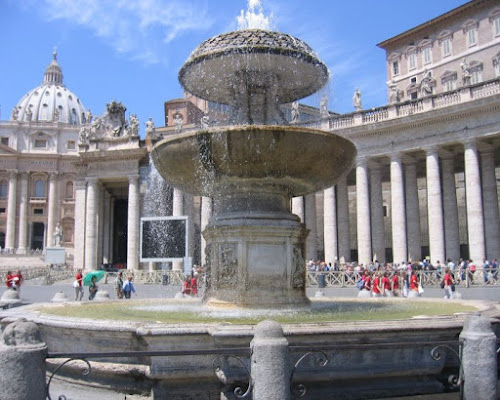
<point x="252" y="169"/>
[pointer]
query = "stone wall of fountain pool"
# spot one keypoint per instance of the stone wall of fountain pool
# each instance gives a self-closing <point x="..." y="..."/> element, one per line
<point x="368" y="359"/>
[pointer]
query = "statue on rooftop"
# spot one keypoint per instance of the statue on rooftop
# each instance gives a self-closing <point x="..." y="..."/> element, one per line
<point x="323" y="107"/>
<point x="295" y="112"/>
<point x="466" y="75"/>
<point x="356" y="100"/>
<point x="178" y="123"/>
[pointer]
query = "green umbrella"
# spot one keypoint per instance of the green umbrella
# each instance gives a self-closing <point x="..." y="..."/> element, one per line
<point x="87" y="279"/>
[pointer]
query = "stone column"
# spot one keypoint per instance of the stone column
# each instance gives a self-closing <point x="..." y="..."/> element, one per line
<point x="451" y="232"/>
<point x="310" y="218"/>
<point x="435" y="208"/>
<point x="100" y="224"/>
<point x="189" y="211"/>
<point x="206" y="214"/>
<point x="344" y="229"/>
<point x="377" y="213"/>
<point x="398" y="215"/>
<point x="298" y="207"/>
<point x="22" y="362"/>
<point x="490" y="204"/>
<point x="474" y="203"/>
<point x="80" y="218"/>
<point x="330" y="225"/>
<point x="412" y="212"/>
<point x="10" y="235"/>
<point x="270" y="364"/>
<point x="178" y="211"/>
<point x="133" y="223"/>
<point x="363" y="213"/>
<point x="479" y="359"/>
<point x="106" y="227"/>
<point x="91" y="225"/>
<point x="23" y="215"/>
<point x="111" y="230"/>
<point x="51" y="215"/>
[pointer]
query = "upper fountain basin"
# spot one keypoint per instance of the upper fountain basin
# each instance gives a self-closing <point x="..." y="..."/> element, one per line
<point x="298" y="159"/>
<point x="211" y="68"/>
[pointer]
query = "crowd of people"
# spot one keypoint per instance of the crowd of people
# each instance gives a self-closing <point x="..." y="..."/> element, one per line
<point x="401" y="279"/>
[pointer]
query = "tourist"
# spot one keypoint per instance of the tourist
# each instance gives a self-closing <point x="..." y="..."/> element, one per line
<point x="377" y="289"/>
<point x="186" y="286"/>
<point x="494" y="271"/>
<point x="395" y="284"/>
<point x="472" y="270"/>
<point x="93" y="288"/>
<point x="447" y="283"/>
<point x="368" y="281"/>
<point x="8" y="280"/>
<point x="414" y="282"/>
<point x="386" y="285"/>
<point x="78" y="286"/>
<point x="194" y="285"/>
<point x="17" y="279"/>
<point x="486" y="270"/>
<point x="128" y="287"/>
<point x="119" y="285"/>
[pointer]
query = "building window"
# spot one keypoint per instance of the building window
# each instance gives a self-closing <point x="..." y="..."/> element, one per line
<point x="5" y="141"/>
<point x="476" y="76"/>
<point x="412" y="61"/>
<point x="471" y="37"/>
<point x="449" y="80"/>
<point x="3" y="190"/>
<point x="2" y="210"/>
<point x="40" y="143"/>
<point x="38" y="211"/>
<point x="71" y="145"/>
<point x="69" y="191"/>
<point x="446" y="47"/>
<point x="395" y="68"/>
<point x="450" y="85"/>
<point x="427" y="55"/>
<point x="40" y="188"/>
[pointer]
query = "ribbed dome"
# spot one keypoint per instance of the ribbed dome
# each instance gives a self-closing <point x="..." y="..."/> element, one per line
<point x="51" y="101"/>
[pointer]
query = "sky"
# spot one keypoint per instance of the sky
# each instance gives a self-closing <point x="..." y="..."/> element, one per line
<point x="131" y="50"/>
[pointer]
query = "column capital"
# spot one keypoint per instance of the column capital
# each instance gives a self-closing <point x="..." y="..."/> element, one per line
<point x="12" y="173"/>
<point x="362" y="161"/>
<point x="133" y="178"/>
<point x="53" y="175"/>
<point x="470" y="144"/>
<point x="432" y="151"/>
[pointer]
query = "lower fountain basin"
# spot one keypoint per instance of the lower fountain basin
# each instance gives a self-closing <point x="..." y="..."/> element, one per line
<point x="296" y="159"/>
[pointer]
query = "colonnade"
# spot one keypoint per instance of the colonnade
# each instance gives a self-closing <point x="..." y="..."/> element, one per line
<point x="481" y="203"/>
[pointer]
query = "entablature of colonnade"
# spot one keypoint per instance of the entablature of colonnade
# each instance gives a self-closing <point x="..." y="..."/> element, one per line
<point x="478" y="120"/>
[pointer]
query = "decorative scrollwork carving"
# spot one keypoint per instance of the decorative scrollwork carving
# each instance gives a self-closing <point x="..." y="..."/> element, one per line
<point x="455" y="381"/>
<point x="85" y="371"/>
<point x="321" y="360"/>
<point x="219" y="372"/>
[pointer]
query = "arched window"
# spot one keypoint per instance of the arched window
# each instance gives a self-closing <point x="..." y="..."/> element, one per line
<point x="39" y="188"/>
<point x="69" y="191"/>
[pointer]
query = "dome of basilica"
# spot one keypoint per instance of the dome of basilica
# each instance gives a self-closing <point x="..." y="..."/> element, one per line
<point x="51" y="101"/>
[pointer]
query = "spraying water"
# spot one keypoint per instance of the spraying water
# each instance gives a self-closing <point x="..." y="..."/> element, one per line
<point x="254" y="18"/>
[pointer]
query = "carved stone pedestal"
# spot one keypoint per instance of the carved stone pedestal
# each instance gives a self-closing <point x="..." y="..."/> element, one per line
<point x="256" y="262"/>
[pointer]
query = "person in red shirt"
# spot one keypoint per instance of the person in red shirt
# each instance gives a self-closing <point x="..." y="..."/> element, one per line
<point x="8" y="279"/>
<point x="378" y="288"/>
<point x="395" y="284"/>
<point x="448" y="283"/>
<point x="386" y="284"/>
<point x="368" y="281"/>
<point x="78" y="286"/>
<point x="414" y="282"/>
<point x="194" y="285"/>
<point x="186" y="286"/>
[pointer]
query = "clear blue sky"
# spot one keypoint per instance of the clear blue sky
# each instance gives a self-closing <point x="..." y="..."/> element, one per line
<point x="131" y="50"/>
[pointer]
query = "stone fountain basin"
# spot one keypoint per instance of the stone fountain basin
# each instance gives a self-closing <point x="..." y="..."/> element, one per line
<point x="295" y="159"/>
<point x="397" y="361"/>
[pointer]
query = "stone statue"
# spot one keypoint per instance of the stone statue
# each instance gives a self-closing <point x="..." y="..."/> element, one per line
<point x="394" y="93"/>
<point x="425" y="85"/>
<point x="29" y="114"/>
<point x="89" y="116"/>
<point x="323" y="107"/>
<point x="83" y="136"/>
<point x="465" y="72"/>
<point x="150" y="126"/>
<point x="134" y="125"/>
<point x="178" y="123"/>
<point x="356" y="100"/>
<point x="15" y="113"/>
<point x="58" y="234"/>
<point x="205" y="122"/>
<point x="295" y="112"/>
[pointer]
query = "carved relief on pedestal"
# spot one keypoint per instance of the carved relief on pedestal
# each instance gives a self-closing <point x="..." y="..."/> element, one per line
<point x="228" y="264"/>
<point x="298" y="272"/>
